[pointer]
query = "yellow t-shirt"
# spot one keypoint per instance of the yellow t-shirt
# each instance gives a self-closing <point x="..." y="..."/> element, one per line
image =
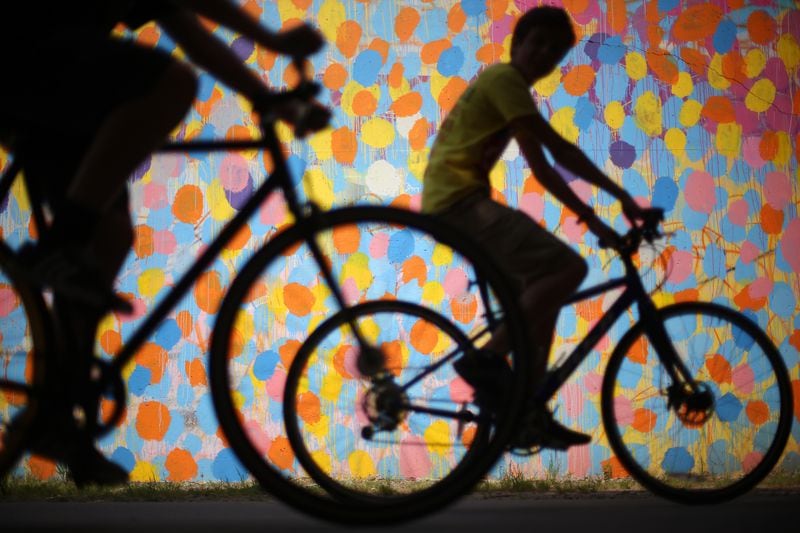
<point x="474" y="135"/>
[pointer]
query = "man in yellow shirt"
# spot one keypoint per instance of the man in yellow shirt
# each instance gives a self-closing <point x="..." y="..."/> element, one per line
<point x="496" y="107"/>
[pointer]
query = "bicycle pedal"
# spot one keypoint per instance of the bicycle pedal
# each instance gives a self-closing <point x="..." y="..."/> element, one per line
<point x="525" y="452"/>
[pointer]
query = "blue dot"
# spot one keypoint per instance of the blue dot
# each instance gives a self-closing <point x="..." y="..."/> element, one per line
<point x="366" y="67"/>
<point x="124" y="458"/>
<point x="667" y="5"/>
<point x="611" y="51"/>
<point x="473" y="8"/>
<point x="677" y="461"/>
<point x="728" y="408"/>
<point x="265" y="364"/>
<point x="139" y="380"/>
<point x="725" y="36"/>
<point x="226" y="467"/>
<point x="665" y="193"/>
<point x="450" y="61"/>
<point x="168" y="334"/>
<point x="401" y="246"/>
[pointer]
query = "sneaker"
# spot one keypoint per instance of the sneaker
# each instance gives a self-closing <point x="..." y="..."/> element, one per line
<point x="541" y="429"/>
<point x="67" y="274"/>
<point x="488" y="374"/>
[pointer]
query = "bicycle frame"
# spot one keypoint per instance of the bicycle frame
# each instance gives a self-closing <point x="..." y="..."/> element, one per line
<point x="280" y="179"/>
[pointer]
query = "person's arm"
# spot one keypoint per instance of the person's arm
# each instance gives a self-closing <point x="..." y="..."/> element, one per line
<point x="573" y="159"/>
<point x="553" y="182"/>
<point x="302" y="40"/>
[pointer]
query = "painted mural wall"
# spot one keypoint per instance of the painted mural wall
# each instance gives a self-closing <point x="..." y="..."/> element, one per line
<point x="692" y="106"/>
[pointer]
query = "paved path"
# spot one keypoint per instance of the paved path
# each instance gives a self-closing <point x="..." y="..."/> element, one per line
<point x="767" y="511"/>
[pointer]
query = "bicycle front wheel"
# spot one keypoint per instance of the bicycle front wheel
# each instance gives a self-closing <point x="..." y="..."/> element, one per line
<point x="704" y="444"/>
<point x="22" y="349"/>
<point x="281" y="296"/>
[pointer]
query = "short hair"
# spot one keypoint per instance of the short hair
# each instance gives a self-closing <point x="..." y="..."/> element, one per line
<point x="553" y="18"/>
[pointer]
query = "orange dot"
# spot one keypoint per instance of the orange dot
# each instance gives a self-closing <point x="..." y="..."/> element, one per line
<point x="288" y="351"/>
<point x="265" y="59"/>
<point x="408" y="104"/>
<point x="576" y="7"/>
<point x="149" y="35"/>
<point x="344" y="144"/>
<point x="424" y="336"/>
<point x="339" y="359"/>
<point x="196" y="372"/>
<point x="280" y="453"/>
<point x="768" y="146"/>
<point x="208" y="292"/>
<point x="257" y="290"/>
<point x="614" y="468"/>
<point x="696" y="22"/>
<point x="393" y="354"/>
<point x="744" y="301"/>
<point x="431" y="51"/>
<point x="464" y="309"/>
<point x="405" y="23"/>
<point x="418" y="135"/>
<point x="110" y="341"/>
<point x="796" y="396"/>
<point x="41" y="468"/>
<point x="346" y="239"/>
<point x="302" y="4"/>
<point x="380" y="46"/>
<point x="154" y="358"/>
<point x="697" y="62"/>
<point x="489" y="53"/>
<point x="617" y="15"/>
<point x="451" y="92"/>
<point x="456" y="18"/>
<point x="143" y="245"/>
<point x="638" y="351"/>
<point x="719" y="369"/>
<point x="757" y="412"/>
<point x="734" y="67"/>
<point x="298" y="299"/>
<point x="589" y="310"/>
<point x="364" y="103"/>
<point x="579" y="79"/>
<point x="184" y="320"/>
<point x="771" y="220"/>
<point x="395" y="78"/>
<point x="469" y="435"/>
<point x="188" y="204"/>
<point x="308" y="407"/>
<point x="335" y="77"/>
<point x="644" y="420"/>
<point x="497" y="9"/>
<point x="663" y="65"/>
<point x="152" y="420"/>
<point x="414" y="268"/>
<point x="687" y="295"/>
<point x="181" y="465"/>
<point x="240" y="239"/>
<point x="761" y="27"/>
<point x="719" y="109"/>
<point x="348" y="36"/>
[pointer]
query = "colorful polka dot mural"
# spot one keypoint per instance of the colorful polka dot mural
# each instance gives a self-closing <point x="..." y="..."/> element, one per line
<point x="692" y="106"/>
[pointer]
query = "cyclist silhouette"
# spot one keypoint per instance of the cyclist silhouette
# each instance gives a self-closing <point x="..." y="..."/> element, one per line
<point x="496" y="107"/>
<point x="110" y="102"/>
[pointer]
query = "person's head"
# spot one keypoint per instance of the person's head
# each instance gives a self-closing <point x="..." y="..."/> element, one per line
<point x="541" y="39"/>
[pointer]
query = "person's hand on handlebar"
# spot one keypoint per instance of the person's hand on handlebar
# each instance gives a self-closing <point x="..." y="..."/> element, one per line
<point x="632" y="211"/>
<point x="607" y="236"/>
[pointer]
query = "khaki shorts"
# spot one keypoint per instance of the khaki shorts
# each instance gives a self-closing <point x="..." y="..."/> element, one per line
<point x="524" y="250"/>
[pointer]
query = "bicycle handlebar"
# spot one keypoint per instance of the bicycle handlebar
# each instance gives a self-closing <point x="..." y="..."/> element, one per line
<point x="648" y="231"/>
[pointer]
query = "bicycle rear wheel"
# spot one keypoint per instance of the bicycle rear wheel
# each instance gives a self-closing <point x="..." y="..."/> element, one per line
<point x="280" y="297"/>
<point x="712" y="444"/>
<point x="398" y="438"/>
<point x="22" y="349"/>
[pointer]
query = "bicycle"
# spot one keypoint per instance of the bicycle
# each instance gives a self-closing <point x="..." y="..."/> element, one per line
<point x="700" y="384"/>
<point x="31" y="343"/>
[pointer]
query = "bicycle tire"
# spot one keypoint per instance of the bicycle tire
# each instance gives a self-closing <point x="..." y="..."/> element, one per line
<point x="23" y="345"/>
<point x="397" y="446"/>
<point x="750" y="387"/>
<point x="226" y="341"/>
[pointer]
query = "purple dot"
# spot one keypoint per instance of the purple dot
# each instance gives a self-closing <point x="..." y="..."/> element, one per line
<point x="622" y="154"/>
<point x="141" y="170"/>
<point x="243" y="48"/>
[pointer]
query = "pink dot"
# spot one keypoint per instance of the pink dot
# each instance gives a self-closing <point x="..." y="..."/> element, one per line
<point x="350" y="291"/>
<point x="738" y="212"/>
<point x="749" y="252"/>
<point x="573" y="230"/>
<point x="681" y="266"/>
<point x="415" y="202"/>
<point x="275" y="385"/>
<point x="751" y="460"/>
<point x="532" y="204"/>
<point x="234" y="173"/>
<point x="572" y="396"/>
<point x="378" y="246"/>
<point x="455" y="282"/>
<point x="623" y="411"/>
<point x="139" y="309"/>
<point x="578" y="461"/>
<point x="790" y="245"/>
<point x="164" y="242"/>
<point x="593" y="382"/>
<point x="760" y="288"/>
<point x="350" y="361"/>
<point x="752" y="153"/>
<point x="155" y="196"/>
<point x="700" y="192"/>
<point x="257" y="436"/>
<point x="273" y="211"/>
<point x="414" y="460"/>
<point x="743" y="379"/>
<point x="460" y="391"/>
<point x="777" y="190"/>
<point x="8" y="301"/>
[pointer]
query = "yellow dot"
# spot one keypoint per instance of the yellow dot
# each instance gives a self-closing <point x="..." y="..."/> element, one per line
<point x="218" y="205"/>
<point x="761" y="96"/>
<point x="442" y="255"/>
<point x="690" y="113"/>
<point x="150" y="282"/>
<point x="378" y="133"/>
<point x="614" y="115"/>
<point x="785" y="151"/>
<point x="675" y="140"/>
<point x="321" y="144"/>
<point x="647" y="113"/>
<point x="144" y="472"/>
<point x="361" y="465"/>
<point x="563" y="121"/>
<point x="789" y="51"/>
<point x="729" y="139"/>
<point x="754" y="62"/>
<point x="684" y="86"/>
<point x="716" y="78"/>
<point x="636" y="65"/>
<point x="549" y="84"/>
<point x="433" y="292"/>
<point x="437" y="435"/>
<point x="318" y="187"/>
<point x="322" y="458"/>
